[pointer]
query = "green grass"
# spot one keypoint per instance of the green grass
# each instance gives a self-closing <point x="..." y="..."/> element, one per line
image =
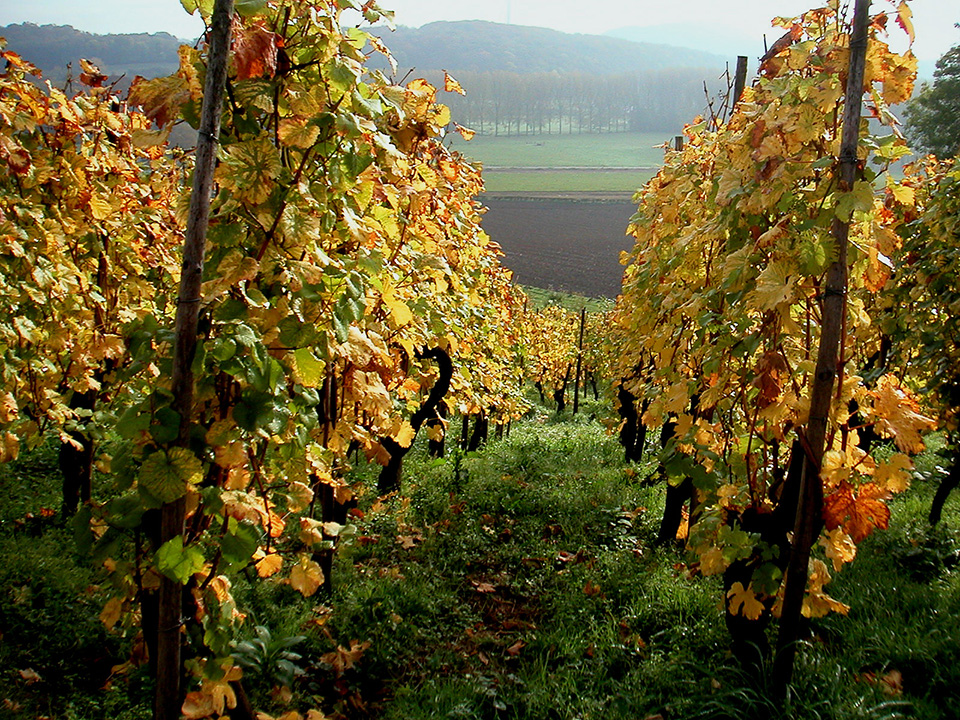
<point x="591" y="150"/>
<point x="541" y="298"/>
<point x="518" y="582"/>
<point x="533" y="591"/>
<point x="567" y="181"/>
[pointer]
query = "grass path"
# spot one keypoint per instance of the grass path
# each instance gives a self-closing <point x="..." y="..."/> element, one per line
<point x="520" y="582"/>
<point x="523" y="583"/>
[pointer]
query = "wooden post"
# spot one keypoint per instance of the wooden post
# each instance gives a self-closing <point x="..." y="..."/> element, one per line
<point x="168" y="698"/>
<point x="739" y="81"/>
<point x="576" y="382"/>
<point x="810" y="506"/>
<point x="678" y="143"/>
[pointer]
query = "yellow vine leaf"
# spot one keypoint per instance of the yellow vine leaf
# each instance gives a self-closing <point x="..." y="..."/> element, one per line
<point x="295" y="132"/>
<point x="100" y="207"/>
<point x="817" y="603"/>
<point x="311" y="531"/>
<point x="893" y="475"/>
<point x="405" y="436"/>
<point x="743" y="601"/>
<point x="299" y="496"/>
<point x="465" y="132"/>
<point x="775" y="285"/>
<point x="712" y="562"/>
<point x="451" y="85"/>
<point x="398" y="310"/>
<point x="306" y="576"/>
<point x="899" y="79"/>
<point x="8" y="408"/>
<point x="435" y="432"/>
<point x="269" y="565"/>
<point x="839" y="547"/>
<point x="197" y="705"/>
<point x="231" y="455"/>
<point x="898" y="415"/>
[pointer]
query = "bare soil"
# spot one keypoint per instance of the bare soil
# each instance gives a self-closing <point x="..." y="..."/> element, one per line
<point x="568" y="243"/>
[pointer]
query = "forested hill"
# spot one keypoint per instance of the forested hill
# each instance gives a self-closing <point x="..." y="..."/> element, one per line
<point x="455" y="46"/>
<point x="53" y="47"/>
<point x="479" y="46"/>
<point x="519" y="80"/>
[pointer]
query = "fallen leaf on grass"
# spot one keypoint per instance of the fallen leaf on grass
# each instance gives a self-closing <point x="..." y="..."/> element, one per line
<point x="892" y="683"/>
<point x="515" y="649"/>
<point x="484" y="587"/>
<point x="590" y="589"/>
<point x="406" y="541"/>
<point x="31" y="676"/>
<point x="342" y="659"/>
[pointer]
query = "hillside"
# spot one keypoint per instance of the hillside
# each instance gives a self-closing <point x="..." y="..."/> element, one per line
<point x="456" y="46"/>
<point x="480" y="46"/>
<point x="520" y="80"/>
<point x="53" y="47"/>
<point x="727" y="44"/>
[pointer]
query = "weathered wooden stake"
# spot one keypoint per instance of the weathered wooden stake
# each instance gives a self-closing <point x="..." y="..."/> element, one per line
<point x="810" y="507"/>
<point x="739" y="81"/>
<point x="168" y="699"/>
<point x="576" y="384"/>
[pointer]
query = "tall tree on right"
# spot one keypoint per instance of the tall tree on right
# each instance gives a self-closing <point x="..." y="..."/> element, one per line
<point x="933" y="117"/>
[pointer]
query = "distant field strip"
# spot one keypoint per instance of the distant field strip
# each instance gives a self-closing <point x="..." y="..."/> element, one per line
<point x="603" y="150"/>
<point x="571" y="180"/>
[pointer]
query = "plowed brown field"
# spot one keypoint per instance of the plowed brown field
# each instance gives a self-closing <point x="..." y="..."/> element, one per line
<point x="571" y="245"/>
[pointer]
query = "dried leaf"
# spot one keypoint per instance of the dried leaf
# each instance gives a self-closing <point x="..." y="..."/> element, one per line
<point x="30" y="675"/>
<point x="451" y="85"/>
<point x="110" y="615"/>
<point x="858" y="513"/>
<point x="342" y="659"/>
<point x="306" y="576"/>
<point x="255" y="51"/>
<point x="269" y="565"/>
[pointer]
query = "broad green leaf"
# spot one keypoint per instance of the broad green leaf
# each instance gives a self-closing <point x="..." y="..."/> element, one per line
<point x="166" y="425"/>
<point x="309" y="369"/>
<point x="860" y="199"/>
<point x="177" y="562"/>
<point x="239" y="543"/>
<point x="249" y="8"/>
<point x="166" y="473"/>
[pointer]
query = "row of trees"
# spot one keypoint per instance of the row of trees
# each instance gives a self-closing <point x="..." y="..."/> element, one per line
<point x="511" y="103"/>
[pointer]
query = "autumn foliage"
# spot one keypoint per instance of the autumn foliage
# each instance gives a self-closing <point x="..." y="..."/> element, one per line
<point x="344" y="242"/>
<point x="721" y="306"/>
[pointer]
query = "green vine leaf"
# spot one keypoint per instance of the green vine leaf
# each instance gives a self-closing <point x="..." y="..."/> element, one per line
<point x="178" y="562"/>
<point x="165" y="474"/>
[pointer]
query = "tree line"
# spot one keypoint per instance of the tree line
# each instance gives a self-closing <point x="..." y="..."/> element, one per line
<point x="552" y="103"/>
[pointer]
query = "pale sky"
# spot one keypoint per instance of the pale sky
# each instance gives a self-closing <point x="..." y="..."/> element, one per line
<point x="934" y="19"/>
